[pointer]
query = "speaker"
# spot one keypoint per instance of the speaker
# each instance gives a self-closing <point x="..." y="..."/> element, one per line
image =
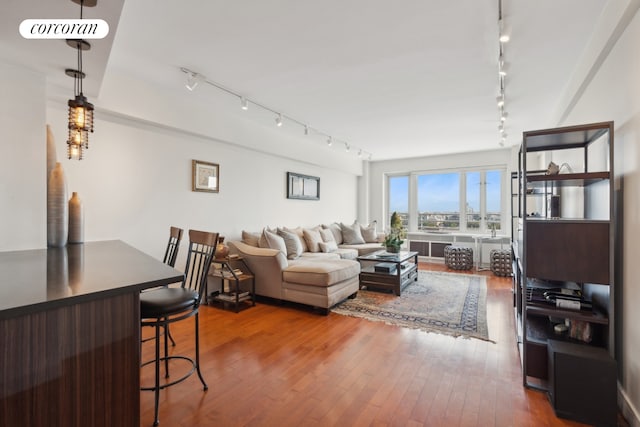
<point x="582" y="383"/>
<point x="554" y="206"/>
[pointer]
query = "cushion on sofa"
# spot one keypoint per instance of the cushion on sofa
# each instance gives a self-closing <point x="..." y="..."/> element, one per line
<point x="364" y="249"/>
<point x="369" y="233"/>
<point x="346" y="253"/>
<point x="250" y="238"/>
<point x="274" y="241"/>
<point x="328" y="246"/>
<point x="327" y="236"/>
<point x="320" y="272"/>
<point x="300" y="234"/>
<point x="313" y="238"/>
<point x="336" y="230"/>
<point x="351" y="234"/>
<point x="292" y="242"/>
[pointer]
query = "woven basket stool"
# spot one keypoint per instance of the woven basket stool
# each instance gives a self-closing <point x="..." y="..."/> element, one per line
<point x="458" y="258"/>
<point x="500" y="262"/>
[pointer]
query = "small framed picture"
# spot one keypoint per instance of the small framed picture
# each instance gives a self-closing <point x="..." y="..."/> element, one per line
<point x="205" y="176"/>
<point x="303" y="186"/>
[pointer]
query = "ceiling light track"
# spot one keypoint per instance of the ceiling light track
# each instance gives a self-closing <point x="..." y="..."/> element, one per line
<point x="194" y="79"/>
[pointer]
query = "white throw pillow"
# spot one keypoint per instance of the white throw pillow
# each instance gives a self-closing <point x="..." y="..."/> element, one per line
<point x="352" y="234"/>
<point x="369" y="233"/>
<point x="328" y="246"/>
<point x="292" y="243"/>
<point x="327" y="236"/>
<point x="275" y="242"/>
<point x="336" y="230"/>
<point x="298" y="231"/>
<point x="313" y="239"/>
<point x="250" y="238"/>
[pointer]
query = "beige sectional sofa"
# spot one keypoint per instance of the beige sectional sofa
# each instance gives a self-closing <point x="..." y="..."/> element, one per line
<point x="315" y="266"/>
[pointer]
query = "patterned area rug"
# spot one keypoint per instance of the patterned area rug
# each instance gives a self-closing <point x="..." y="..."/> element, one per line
<point x="445" y="303"/>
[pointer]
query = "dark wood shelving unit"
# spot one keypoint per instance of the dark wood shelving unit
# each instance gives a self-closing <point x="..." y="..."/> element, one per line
<point x="576" y="250"/>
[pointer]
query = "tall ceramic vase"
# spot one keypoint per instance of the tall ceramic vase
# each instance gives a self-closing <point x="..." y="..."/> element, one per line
<point x="57" y="208"/>
<point x="51" y="152"/>
<point x="76" y="219"/>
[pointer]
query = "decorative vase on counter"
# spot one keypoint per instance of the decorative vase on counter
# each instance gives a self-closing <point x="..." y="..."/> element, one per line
<point x="51" y="152"/>
<point x="222" y="251"/>
<point x="57" y="208"/>
<point x="76" y="219"/>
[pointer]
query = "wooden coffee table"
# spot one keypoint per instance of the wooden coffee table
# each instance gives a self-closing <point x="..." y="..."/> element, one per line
<point x="406" y="270"/>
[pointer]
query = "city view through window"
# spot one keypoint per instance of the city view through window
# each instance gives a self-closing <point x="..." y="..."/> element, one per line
<point x="440" y="200"/>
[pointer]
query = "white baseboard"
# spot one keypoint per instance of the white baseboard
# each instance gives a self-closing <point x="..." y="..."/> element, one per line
<point x="629" y="412"/>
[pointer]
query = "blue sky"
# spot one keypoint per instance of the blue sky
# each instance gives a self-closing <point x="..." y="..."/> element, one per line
<point x="440" y="192"/>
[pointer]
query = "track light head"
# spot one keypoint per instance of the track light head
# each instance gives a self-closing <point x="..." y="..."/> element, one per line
<point x="329" y="141"/>
<point x="279" y="120"/>
<point x="504" y="116"/>
<point x="500" y="100"/>
<point x="244" y="104"/>
<point x="504" y="32"/>
<point x="193" y="80"/>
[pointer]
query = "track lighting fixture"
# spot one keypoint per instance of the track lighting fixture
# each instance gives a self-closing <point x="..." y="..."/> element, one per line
<point x="193" y="80"/>
<point x="503" y="32"/>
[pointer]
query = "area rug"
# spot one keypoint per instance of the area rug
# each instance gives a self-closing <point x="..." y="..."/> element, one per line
<point x="445" y="303"/>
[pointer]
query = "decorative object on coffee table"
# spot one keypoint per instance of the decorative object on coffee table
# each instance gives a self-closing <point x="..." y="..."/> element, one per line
<point x="458" y="257"/>
<point x="395" y="237"/>
<point x="444" y="303"/>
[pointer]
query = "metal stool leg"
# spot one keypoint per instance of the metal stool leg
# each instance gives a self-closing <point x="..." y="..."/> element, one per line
<point x="206" y="387"/>
<point x="157" y="380"/>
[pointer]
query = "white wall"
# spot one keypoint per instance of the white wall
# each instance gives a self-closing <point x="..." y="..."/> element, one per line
<point x="614" y="94"/>
<point x="135" y="182"/>
<point x="377" y="172"/>
<point x="23" y="175"/>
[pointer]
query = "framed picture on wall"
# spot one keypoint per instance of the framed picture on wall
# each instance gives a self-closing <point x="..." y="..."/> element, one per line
<point x="304" y="187"/>
<point x="205" y="176"/>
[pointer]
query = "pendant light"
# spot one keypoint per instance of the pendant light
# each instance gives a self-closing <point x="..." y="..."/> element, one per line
<point x="80" y="121"/>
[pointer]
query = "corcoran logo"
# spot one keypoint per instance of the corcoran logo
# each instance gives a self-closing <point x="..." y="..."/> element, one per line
<point x="64" y="29"/>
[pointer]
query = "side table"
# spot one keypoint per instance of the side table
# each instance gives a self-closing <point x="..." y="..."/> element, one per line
<point x="236" y="282"/>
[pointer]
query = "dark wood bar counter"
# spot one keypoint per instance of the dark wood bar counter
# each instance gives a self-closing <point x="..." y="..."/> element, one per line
<point x="70" y="333"/>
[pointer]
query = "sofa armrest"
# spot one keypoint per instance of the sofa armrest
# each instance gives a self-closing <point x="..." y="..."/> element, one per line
<point x="266" y="265"/>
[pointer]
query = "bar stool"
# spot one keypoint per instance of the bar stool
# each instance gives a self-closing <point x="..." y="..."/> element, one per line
<point x="163" y="306"/>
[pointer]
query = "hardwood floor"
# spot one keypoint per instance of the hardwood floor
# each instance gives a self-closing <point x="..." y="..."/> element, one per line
<point x="285" y="365"/>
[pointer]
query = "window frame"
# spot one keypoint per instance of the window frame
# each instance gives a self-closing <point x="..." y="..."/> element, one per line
<point x="463" y="229"/>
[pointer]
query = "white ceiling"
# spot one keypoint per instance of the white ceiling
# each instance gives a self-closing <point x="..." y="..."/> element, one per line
<point x="396" y="79"/>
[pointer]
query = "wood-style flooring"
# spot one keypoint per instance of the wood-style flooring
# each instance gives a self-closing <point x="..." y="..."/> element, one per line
<point x="286" y="365"/>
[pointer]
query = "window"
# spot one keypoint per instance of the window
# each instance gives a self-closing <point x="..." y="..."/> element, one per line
<point x="439" y="201"/>
<point x="467" y="201"/>
<point x="398" y="199"/>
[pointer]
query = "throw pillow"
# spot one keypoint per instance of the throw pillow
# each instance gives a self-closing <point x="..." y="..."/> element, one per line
<point x="292" y="242"/>
<point x="369" y="233"/>
<point x="250" y="238"/>
<point x="298" y="231"/>
<point x="327" y="235"/>
<point x="275" y="242"/>
<point x="336" y="230"/>
<point x="352" y="234"/>
<point x="328" y="246"/>
<point x="313" y="238"/>
<point x="262" y="241"/>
